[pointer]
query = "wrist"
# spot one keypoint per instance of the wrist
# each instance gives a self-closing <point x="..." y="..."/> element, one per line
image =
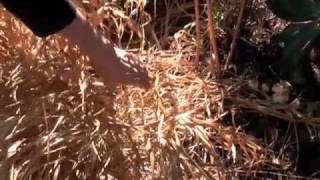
<point x="80" y="32"/>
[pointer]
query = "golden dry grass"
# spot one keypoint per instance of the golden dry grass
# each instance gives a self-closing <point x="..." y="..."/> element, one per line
<point x="59" y="121"/>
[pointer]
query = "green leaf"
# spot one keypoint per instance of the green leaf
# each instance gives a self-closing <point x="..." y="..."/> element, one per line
<point x="295" y="10"/>
<point x="295" y="40"/>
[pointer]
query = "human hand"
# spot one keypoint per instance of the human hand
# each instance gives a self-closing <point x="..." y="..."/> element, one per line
<point x="114" y="65"/>
<point x="117" y="66"/>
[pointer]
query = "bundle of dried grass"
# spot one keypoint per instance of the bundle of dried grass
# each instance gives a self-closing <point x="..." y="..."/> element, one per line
<point x="58" y="121"/>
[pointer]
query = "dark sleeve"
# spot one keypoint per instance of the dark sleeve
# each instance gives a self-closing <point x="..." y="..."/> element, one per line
<point x="43" y="17"/>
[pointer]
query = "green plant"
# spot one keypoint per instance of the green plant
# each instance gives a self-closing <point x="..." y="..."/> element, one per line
<point x="299" y="36"/>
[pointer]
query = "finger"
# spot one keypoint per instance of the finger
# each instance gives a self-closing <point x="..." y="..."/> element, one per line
<point x="139" y="79"/>
<point x="142" y="82"/>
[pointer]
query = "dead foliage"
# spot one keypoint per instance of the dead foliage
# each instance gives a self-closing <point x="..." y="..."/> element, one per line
<point x="59" y="121"/>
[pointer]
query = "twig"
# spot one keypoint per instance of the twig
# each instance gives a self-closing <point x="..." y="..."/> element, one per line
<point x="212" y="35"/>
<point x="297" y="142"/>
<point x="235" y="35"/>
<point x="45" y="117"/>
<point x="198" y="31"/>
